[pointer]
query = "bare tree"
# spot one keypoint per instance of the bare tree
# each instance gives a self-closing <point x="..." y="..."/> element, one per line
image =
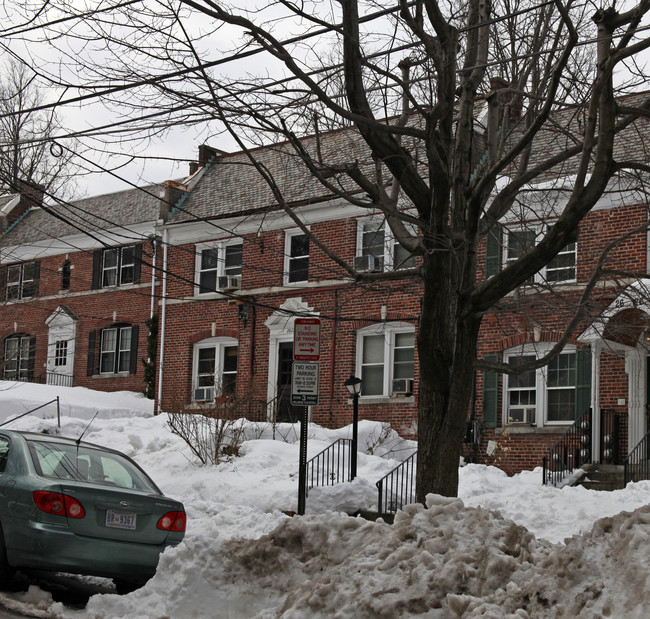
<point x="450" y="102"/>
<point x="26" y="134"/>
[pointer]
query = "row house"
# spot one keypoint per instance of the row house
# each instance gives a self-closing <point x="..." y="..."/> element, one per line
<point x="224" y="266"/>
<point x="78" y="286"/>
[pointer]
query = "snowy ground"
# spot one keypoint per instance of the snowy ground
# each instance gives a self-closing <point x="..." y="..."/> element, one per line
<point x="508" y="547"/>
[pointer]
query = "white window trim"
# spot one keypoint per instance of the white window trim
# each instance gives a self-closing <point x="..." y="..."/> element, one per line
<point x="117" y="350"/>
<point x="541" y="376"/>
<point x="389" y="330"/>
<point x="540" y="276"/>
<point x="389" y="240"/>
<point x="288" y="235"/>
<point x="218" y="343"/>
<point x="220" y="246"/>
<point x="119" y="267"/>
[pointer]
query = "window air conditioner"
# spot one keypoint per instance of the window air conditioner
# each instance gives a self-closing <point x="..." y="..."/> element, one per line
<point x="368" y="263"/>
<point x="402" y="386"/>
<point x="229" y="282"/>
<point x="204" y="394"/>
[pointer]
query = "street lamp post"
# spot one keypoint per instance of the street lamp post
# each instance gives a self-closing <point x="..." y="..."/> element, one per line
<point x="353" y="385"/>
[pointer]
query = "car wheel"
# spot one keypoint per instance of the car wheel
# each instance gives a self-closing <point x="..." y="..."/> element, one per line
<point x="6" y="571"/>
<point x="126" y="586"/>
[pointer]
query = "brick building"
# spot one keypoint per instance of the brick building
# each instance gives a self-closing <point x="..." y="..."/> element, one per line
<point x="235" y="269"/>
<point x="78" y="284"/>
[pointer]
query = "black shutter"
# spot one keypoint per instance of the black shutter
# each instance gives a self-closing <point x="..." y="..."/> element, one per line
<point x="97" y="269"/>
<point x="583" y="380"/>
<point x="3" y="283"/>
<point x="92" y="338"/>
<point x="493" y="247"/>
<point x="30" y="359"/>
<point x="37" y="276"/>
<point x="134" y="349"/>
<point x="137" y="263"/>
<point x="490" y="395"/>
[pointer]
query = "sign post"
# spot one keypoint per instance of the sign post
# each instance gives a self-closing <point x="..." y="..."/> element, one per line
<point x="305" y="373"/>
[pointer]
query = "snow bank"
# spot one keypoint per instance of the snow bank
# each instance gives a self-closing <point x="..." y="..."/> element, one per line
<point x="508" y="547"/>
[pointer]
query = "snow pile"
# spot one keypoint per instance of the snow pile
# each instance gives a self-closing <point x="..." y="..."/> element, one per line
<point x="17" y="398"/>
<point x="498" y="551"/>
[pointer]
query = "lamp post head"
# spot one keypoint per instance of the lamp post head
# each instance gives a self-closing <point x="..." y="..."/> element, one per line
<point x="353" y="385"/>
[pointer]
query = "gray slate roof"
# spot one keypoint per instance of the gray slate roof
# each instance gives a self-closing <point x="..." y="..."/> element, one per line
<point x="112" y="210"/>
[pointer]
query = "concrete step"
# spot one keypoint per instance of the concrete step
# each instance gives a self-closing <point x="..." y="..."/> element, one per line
<point x="603" y="477"/>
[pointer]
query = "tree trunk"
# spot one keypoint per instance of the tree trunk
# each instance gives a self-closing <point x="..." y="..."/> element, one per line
<point x="447" y="348"/>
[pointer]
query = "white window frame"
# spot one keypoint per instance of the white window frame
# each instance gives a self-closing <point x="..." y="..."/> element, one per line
<point x="221" y="247"/>
<point x="288" y="258"/>
<point x="541" y="277"/>
<point x="17" y="365"/>
<point x="219" y="344"/>
<point x="390" y="242"/>
<point x="541" y="383"/>
<point x="120" y="266"/>
<point x="117" y="350"/>
<point x="15" y="288"/>
<point x="389" y="331"/>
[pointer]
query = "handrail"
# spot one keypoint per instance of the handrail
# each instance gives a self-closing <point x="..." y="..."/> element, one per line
<point x="397" y="488"/>
<point x="570" y="452"/>
<point x="637" y="463"/>
<point x="330" y="466"/>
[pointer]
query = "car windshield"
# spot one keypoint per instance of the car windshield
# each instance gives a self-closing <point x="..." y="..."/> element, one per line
<point x="83" y="463"/>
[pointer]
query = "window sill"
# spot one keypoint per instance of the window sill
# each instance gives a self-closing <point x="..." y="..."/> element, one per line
<point x="369" y="401"/>
<point x="113" y="375"/>
<point x="524" y="428"/>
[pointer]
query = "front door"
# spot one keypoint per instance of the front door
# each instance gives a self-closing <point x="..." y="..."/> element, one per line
<point x="285" y="412"/>
<point x="61" y="348"/>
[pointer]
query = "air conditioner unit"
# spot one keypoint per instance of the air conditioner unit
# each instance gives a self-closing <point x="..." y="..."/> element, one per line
<point x="402" y="386"/>
<point x="368" y="263"/>
<point x="204" y="394"/>
<point x="229" y="282"/>
<point x="521" y="414"/>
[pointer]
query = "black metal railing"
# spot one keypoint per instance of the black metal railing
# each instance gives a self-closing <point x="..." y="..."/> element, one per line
<point x="397" y="488"/>
<point x="53" y="378"/>
<point x="570" y="452"/>
<point x="609" y="435"/>
<point x="637" y="464"/>
<point x="330" y="466"/>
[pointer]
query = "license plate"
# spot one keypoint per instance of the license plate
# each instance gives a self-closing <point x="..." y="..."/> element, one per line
<point x="120" y="520"/>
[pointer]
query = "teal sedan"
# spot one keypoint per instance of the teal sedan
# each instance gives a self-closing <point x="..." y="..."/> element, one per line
<point x="71" y="506"/>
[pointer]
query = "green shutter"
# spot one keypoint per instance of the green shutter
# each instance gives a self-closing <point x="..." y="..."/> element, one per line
<point x="490" y="394"/>
<point x="583" y="380"/>
<point x="493" y="251"/>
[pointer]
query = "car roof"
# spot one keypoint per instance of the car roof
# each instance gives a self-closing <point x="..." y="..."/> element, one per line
<point x="52" y="438"/>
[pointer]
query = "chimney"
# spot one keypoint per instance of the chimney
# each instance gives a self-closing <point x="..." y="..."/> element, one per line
<point x="172" y="192"/>
<point x="30" y="195"/>
<point x="508" y="101"/>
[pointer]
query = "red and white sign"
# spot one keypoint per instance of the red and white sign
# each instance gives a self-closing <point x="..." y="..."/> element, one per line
<point x="306" y="339"/>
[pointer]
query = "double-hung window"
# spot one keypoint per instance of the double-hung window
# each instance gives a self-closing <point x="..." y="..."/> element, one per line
<point x="378" y="249"/>
<point x="386" y="359"/>
<point x="548" y="395"/>
<point x="18" y="358"/>
<point x="21" y="281"/>
<point x="115" y="351"/>
<point x="214" y="368"/>
<point x="117" y="266"/>
<point x="296" y="257"/>
<point x="218" y="266"/>
<point x="563" y="268"/>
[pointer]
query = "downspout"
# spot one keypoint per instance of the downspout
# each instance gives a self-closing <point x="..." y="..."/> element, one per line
<point x="153" y="278"/>
<point x="335" y="327"/>
<point x="163" y="314"/>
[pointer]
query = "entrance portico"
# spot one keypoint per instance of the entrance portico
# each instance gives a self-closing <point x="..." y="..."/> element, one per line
<point x="623" y="329"/>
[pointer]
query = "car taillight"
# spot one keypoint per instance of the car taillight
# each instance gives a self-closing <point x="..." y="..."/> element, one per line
<point x="172" y="521"/>
<point x="58" y="504"/>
